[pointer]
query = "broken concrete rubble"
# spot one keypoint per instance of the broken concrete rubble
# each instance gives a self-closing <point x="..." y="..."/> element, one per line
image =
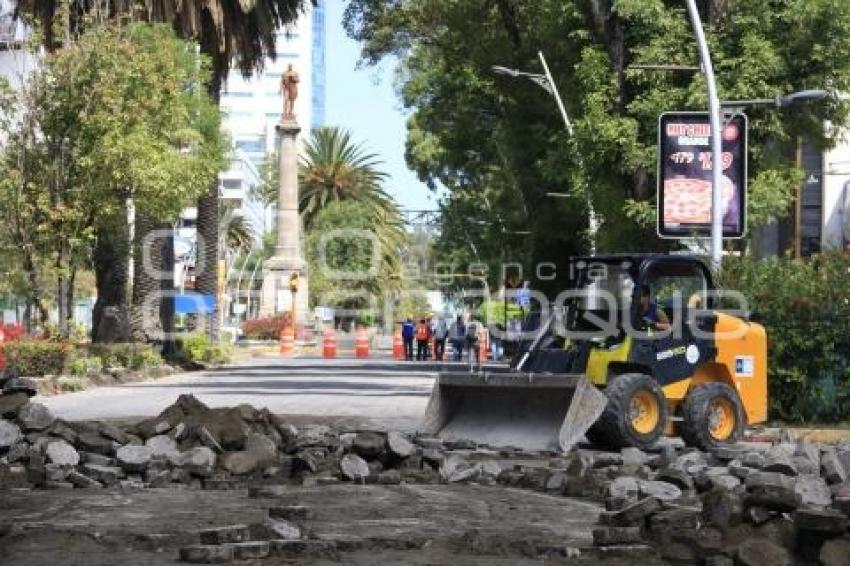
<point x="685" y="502"/>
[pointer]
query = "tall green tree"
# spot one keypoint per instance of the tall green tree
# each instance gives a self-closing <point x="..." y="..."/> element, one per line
<point x="498" y="144"/>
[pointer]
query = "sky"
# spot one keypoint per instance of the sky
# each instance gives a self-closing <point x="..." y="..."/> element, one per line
<point x="364" y="101"/>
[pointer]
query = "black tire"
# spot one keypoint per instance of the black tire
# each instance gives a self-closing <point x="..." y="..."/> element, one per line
<point x="614" y="428"/>
<point x="697" y="415"/>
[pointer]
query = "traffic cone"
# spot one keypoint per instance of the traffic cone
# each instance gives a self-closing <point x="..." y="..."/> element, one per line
<point x="287" y="341"/>
<point x="361" y="343"/>
<point x="329" y="343"/>
<point x="398" y="347"/>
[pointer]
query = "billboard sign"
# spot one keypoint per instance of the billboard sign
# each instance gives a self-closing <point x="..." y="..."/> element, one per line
<point x="684" y="175"/>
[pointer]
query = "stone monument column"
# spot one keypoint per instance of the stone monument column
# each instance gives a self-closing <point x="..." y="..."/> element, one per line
<point x="288" y="260"/>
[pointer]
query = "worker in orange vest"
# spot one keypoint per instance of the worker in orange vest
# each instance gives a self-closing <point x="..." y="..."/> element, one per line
<point x="423" y="335"/>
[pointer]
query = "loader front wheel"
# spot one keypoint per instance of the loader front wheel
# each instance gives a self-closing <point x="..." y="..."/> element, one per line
<point x="635" y="415"/>
<point x="712" y="415"/>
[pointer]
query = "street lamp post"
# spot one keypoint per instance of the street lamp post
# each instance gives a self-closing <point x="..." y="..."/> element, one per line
<point x="547" y="83"/>
<point x="716" y="146"/>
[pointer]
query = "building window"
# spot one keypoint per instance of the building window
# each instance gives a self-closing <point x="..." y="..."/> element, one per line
<point x="251" y="146"/>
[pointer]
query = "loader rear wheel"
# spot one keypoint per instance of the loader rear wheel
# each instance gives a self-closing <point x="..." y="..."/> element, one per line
<point x="712" y="415"/>
<point x="635" y="415"/>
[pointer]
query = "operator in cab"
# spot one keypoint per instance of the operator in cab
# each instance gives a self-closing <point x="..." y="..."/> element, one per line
<point x="650" y="313"/>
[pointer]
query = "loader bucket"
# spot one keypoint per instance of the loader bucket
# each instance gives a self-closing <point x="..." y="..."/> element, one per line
<point x="510" y="409"/>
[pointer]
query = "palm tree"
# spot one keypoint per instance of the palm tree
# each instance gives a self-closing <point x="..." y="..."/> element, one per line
<point x="334" y="168"/>
<point x="230" y="32"/>
<point x="238" y="236"/>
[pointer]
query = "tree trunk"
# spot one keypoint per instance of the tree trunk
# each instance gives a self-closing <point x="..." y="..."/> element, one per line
<point x="111" y="265"/>
<point x="63" y="308"/>
<point x="166" y="306"/>
<point x="34" y="300"/>
<point x="206" y="267"/>
<point x="147" y="266"/>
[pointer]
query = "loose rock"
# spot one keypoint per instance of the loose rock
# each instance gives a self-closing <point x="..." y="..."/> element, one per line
<point x="134" y="458"/>
<point x="9" y="434"/>
<point x="353" y="467"/>
<point x="105" y="474"/>
<point x="35" y="416"/>
<point x="660" y="489"/>
<point x="94" y="442"/>
<point x="833" y="470"/>
<point x="763" y="552"/>
<point x="199" y="461"/>
<point x="624" y="488"/>
<point x="163" y="446"/>
<point x="835" y="552"/>
<point x="635" y="513"/>
<point x="10" y="404"/>
<point x="399" y="446"/>
<point x="81" y="480"/>
<point x="281" y="529"/>
<point x="813" y="491"/>
<point x="208" y="440"/>
<point x="240" y="463"/>
<point x="778" y="460"/>
<point x="677" y="477"/>
<point x="61" y="453"/>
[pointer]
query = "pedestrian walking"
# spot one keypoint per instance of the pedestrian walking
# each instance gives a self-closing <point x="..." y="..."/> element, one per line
<point x="423" y="335"/>
<point x="473" y="331"/>
<point x="441" y="332"/>
<point x="457" y="336"/>
<point x="407" y="332"/>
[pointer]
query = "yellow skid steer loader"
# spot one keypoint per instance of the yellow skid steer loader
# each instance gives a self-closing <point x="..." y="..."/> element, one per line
<point x="639" y="350"/>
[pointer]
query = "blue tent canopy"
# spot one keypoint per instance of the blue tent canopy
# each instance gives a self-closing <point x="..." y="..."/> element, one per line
<point x="194" y="303"/>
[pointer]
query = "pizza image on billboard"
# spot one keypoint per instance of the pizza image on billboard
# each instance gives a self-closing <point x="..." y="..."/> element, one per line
<point x="685" y="175"/>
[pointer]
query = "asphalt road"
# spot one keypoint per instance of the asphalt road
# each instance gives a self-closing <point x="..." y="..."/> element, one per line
<point x="384" y="393"/>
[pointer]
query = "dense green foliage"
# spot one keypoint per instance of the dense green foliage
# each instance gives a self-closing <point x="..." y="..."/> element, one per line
<point x="498" y="144"/>
<point x="348" y="266"/>
<point x="805" y="308"/>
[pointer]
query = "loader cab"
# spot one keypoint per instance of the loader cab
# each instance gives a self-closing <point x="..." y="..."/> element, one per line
<point x="605" y="300"/>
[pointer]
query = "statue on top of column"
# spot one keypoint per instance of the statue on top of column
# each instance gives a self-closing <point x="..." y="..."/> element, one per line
<point x="289" y="89"/>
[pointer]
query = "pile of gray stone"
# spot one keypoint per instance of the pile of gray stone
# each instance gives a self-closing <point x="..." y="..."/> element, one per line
<point x="192" y="444"/>
<point x="746" y="504"/>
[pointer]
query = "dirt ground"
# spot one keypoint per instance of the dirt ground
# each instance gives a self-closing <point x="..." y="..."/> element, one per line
<point x="402" y="524"/>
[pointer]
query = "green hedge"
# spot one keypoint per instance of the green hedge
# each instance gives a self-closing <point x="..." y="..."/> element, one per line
<point x="805" y="308"/>
<point x="36" y="358"/>
<point x="130" y="355"/>
<point x="197" y="348"/>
